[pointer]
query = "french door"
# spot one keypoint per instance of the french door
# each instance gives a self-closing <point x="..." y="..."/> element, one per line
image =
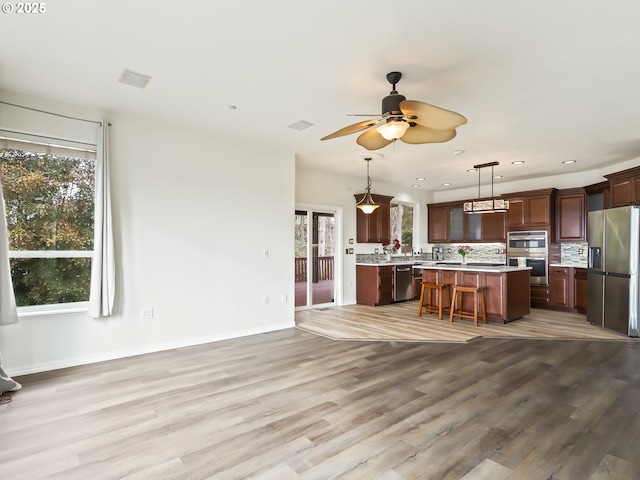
<point x="316" y="234"/>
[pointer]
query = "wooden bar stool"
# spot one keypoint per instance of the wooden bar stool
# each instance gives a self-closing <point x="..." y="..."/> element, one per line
<point x="457" y="295"/>
<point x="430" y="306"/>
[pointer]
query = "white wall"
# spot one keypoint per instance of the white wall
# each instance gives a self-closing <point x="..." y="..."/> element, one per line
<point x="324" y="189"/>
<point x="193" y="214"/>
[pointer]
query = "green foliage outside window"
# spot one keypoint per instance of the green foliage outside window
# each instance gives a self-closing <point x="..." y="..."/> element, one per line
<point x="50" y="207"/>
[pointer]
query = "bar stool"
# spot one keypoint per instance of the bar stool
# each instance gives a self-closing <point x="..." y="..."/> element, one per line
<point x="430" y="306"/>
<point x="478" y="294"/>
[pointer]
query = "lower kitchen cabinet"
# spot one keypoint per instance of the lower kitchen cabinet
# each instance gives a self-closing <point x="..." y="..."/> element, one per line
<point x="374" y="284"/>
<point x="580" y="290"/>
<point x="540" y="296"/>
<point x="561" y="287"/>
<point x="568" y="288"/>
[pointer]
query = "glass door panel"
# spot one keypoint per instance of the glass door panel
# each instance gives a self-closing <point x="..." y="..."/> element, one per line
<point x="314" y="262"/>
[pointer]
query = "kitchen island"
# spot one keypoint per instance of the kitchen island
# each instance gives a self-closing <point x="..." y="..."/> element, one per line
<point x="507" y="291"/>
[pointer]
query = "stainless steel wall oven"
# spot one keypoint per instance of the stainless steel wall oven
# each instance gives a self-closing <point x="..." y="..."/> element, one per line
<point x="530" y="249"/>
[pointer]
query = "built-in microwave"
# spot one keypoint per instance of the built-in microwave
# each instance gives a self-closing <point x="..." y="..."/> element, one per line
<point x="527" y="242"/>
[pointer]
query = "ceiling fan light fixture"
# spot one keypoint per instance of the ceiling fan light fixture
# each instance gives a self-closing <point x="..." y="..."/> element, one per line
<point x="393" y="129"/>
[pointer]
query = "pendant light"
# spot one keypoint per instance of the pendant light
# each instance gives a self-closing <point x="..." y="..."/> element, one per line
<point x="366" y="203"/>
<point x="494" y="205"/>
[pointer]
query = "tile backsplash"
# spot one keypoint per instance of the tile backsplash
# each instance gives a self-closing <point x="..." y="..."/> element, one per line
<point x="574" y="253"/>
<point x="480" y="252"/>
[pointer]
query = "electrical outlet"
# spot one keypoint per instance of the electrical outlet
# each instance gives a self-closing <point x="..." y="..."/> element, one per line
<point x="265" y="300"/>
<point x="284" y="298"/>
<point x="146" y="313"/>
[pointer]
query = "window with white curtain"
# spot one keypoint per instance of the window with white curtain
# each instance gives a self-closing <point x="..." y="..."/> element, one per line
<point x="49" y="194"/>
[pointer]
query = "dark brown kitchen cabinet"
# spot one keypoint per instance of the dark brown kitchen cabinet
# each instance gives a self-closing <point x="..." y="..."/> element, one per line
<point x="438" y="224"/>
<point x="494" y="227"/>
<point x="571" y="215"/>
<point x="374" y="284"/>
<point x="624" y="187"/>
<point x="530" y="210"/>
<point x="376" y="226"/>
<point x="540" y="296"/>
<point x="580" y="290"/>
<point x="561" y="287"/>
<point x="447" y="223"/>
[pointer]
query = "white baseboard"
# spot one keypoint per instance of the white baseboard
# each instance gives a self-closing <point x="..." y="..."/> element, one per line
<point x="86" y="360"/>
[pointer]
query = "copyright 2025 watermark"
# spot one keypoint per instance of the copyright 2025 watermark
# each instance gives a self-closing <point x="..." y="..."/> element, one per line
<point x="24" y="8"/>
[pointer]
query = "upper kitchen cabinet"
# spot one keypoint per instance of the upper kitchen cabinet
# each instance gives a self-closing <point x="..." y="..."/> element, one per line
<point x="374" y="227"/>
<point x="597" y="196"/>
<point x="624" y="187"/>
<point x="448" y="223"/>
<point x="438" y="224"/>
<point x="494" y="227"/>
<point x="531" y="210"/>
<point x="571" y="215"/>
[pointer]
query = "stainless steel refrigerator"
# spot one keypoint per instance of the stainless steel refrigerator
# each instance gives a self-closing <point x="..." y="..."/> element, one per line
<point x="612" y="280"/>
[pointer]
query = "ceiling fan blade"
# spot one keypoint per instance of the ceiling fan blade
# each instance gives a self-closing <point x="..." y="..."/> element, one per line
<point x="372" y="140"/>
<point x="419" y="134"/>
<point x="356" y="127"/>
<point x="431" y="116"/>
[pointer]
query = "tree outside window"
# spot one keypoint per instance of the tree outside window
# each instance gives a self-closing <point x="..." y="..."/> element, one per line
<point x="49" y="197"/>
<point x="402" y="226"/>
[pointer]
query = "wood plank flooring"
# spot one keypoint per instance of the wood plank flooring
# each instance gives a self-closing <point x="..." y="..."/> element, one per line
<point x="295" y="405"/>
<point x="401" y="322"/>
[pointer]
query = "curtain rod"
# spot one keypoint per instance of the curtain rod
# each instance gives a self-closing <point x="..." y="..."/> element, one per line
<point x="76" y="142"/>
<point x="54" y="114"/>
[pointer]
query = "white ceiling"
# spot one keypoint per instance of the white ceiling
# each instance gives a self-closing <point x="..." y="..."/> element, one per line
<point x="541" y="81"/>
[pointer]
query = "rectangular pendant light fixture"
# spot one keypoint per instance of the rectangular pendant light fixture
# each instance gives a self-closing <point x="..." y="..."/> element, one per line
<point x="493" y="205"/>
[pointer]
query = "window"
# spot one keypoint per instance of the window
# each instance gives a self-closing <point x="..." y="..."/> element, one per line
<point x="49" y="197"/>
<point x="402" y="226"/>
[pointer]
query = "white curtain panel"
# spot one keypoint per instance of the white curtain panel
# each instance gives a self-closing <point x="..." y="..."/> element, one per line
<point x="8" y="312"/>
<point x="102" y="293"/>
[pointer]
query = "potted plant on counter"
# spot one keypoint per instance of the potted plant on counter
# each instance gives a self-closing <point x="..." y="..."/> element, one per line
<point x="463" y="250"/>
<point x="391" y="247"/>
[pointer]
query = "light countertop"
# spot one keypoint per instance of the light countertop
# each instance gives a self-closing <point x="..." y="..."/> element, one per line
<point x="468" y="268"/>
<point x="433" y="265"/>
<point x="574" y="265"/>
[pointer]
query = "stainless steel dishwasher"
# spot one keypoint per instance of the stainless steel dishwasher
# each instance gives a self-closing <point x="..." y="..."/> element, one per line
<point x="402" y="282"/>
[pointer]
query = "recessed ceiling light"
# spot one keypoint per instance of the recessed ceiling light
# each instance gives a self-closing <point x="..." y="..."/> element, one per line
<point x="415" y="185"/>
<point x="471" y="170"/>
<point x="232" y="107"/>
<point x="446" y="184"/>
<point x="497" y="176"/>
<point x="569" y="161"/>
<point x="134" y="79"/>
<point x="517" y="162"/>
<point x="421" y="179"/>
<point x="300" y="125"/>
<point x="458" y="152"/>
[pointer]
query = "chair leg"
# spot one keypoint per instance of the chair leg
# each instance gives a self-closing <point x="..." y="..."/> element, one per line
<point x="421" y="300"/>
<point x="475" y="308"/>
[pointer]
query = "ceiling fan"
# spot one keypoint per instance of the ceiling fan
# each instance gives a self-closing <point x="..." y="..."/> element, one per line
<point x="411" y="121"/>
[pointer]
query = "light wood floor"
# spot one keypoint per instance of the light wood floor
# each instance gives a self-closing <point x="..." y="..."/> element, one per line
<point x="401" y="322"/>
<point x="295" y="405"/>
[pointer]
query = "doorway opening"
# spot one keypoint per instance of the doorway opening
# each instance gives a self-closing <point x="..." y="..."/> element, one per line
<point x="316" y="261"/>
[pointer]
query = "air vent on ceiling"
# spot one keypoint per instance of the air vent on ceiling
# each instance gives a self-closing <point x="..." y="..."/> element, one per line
<point x="134" y="79"/>
<point x="300" y="125"/>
